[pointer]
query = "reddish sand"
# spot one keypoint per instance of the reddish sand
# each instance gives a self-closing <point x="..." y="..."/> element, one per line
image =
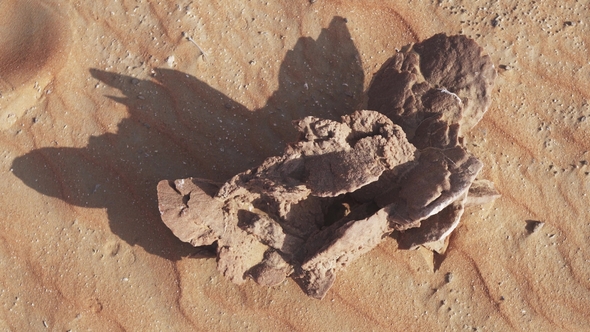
<point x="102" y="99"/>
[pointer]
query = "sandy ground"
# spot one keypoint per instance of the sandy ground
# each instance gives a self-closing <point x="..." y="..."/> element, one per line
<point x="102" y="99"/>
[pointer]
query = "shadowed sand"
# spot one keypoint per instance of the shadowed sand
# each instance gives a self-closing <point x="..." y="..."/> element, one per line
<point x="180" y="126"/>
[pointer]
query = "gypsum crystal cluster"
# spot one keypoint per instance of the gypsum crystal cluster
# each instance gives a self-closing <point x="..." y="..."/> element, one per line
<point x="344" y="186"/>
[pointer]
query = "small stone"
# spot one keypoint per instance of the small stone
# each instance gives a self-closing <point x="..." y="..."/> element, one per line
<point x="170" y="60"/>
<point x="496" y="21"/>
<point x="448" y="277"/>
<point x="534" y="226"/>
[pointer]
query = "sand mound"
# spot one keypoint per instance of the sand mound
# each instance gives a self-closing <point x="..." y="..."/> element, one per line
<point x="33" y="40"/>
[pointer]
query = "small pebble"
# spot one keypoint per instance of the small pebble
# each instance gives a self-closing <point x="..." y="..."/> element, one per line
<point x="170" y="60"/>
<point x="534" y="226"/>
<point x="448" y="277"/>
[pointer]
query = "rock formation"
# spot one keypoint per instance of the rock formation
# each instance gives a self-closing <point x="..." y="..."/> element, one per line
<point x="344" y="186"/>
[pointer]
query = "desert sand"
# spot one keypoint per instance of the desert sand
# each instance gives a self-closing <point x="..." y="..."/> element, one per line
<point x="99" y="100"/>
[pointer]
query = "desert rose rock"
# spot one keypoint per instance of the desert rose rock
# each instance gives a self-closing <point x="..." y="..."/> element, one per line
<point x="262" y="218"/>
<point x="344" y="186"/>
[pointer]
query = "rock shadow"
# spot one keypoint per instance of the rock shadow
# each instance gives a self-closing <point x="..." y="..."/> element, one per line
<point x="178" y="127"/>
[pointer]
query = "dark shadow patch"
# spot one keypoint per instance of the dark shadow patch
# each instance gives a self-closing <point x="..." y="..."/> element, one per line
<point x="178" y="127"/>
<point x="533" y="226"/>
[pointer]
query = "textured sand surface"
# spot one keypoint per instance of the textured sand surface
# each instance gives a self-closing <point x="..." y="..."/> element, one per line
<point x="102" y="99"/>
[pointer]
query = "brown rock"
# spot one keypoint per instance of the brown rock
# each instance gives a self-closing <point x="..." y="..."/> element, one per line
<point x="439" y="178"/>
<point x="442" y="75"/>
<point x="189" y="210"/>
<point x="434" y="230"/>
<point x="481" y="192"/>
<point x="342" y="247"/>
<point x="345" y="185"/>
<point x="342" y="157"/>
<point x="331" y="158"/>
<point x="262" y="218"/>
<point x="272" y="271"/>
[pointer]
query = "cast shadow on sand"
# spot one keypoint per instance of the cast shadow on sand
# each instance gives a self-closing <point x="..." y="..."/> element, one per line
<point x="178" y="126"/>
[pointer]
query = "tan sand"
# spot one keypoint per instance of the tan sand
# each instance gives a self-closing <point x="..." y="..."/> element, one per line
<point x="102" y="99"/>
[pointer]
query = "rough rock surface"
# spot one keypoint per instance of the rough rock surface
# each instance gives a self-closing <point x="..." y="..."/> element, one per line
<point x="481" y="192"/>
<point x="342" y="246"/>
<point x="188" y="209"/>
<point x="443" y="77"/>
<point x="439" y="178"/>
<point x="343" y="187"/>
<point x="434" y="230"/>
<point x="262" y="218"/>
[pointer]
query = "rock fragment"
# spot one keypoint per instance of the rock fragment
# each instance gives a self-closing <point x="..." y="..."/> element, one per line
<point x="342" y="246"/>
<point x="262" y="218"/>
<point x="187" y="207"/>
<point x="442" y="75"/>
<point x="533" y="226"/>
<point x="434" y="230"/>
<point x="440" y="178"/>
<point x="481" y="192"/>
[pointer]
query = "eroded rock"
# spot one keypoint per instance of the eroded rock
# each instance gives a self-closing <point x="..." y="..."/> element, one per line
<point x="187" y="207"/>
<point x="448" y="76"/>
<point x="341" y="247"/>
<point x="440" y="178"/>
<point x="481" y="192"/>
<point x="344" y="186"/>
<point x="262" y="218"/>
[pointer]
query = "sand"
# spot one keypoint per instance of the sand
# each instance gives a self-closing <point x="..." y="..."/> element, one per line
<point x="102" y="99"/>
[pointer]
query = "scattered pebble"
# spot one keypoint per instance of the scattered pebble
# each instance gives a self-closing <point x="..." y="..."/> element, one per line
<point x="170" y="60"/>
<point x="448" y="277"/>
<point x="534" y="226"/>
<point x="496" y="21"/>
